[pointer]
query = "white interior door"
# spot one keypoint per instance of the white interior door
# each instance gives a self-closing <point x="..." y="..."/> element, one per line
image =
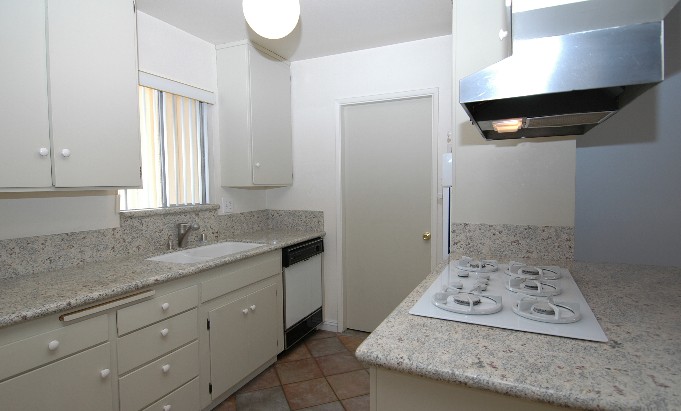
<point x="388" y="202"/>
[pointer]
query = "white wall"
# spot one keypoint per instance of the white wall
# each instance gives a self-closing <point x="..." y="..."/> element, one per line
<point x="521" y="182"/>
<point x="628" y="199"/>
<point x="316" y="86"/>
<point x="171" y="53"/>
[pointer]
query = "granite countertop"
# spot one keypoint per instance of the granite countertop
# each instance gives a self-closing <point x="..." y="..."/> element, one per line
<point x="638" y="307"/>
<point x="37" y="295"/>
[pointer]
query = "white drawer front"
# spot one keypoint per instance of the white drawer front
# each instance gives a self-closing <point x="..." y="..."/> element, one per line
<point x="155" y="340"/>
<point x="34" y="351"/>
<point x="185" y="398"/>
<point x="142" y="314"/>
<point x="146" y="385"/>
<point x="79" y="382"/>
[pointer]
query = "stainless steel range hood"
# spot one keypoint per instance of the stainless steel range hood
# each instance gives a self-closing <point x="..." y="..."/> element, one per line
<point x="566" y="84"/>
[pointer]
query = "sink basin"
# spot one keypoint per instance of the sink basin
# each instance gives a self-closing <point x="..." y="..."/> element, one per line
<point x="205" y="253"/>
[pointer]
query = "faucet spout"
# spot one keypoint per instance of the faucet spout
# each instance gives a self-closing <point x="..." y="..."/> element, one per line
<point x="183" y="229"/>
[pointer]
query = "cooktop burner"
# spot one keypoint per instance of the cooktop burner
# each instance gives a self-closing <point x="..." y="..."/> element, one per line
<point x="532" y="287"/>
<point x="483" y="266"/>
<point x="467" y="303"/>
<point x="549" y="311"/>
<point x="518" y="297"/>
<point x="526" y="271"/>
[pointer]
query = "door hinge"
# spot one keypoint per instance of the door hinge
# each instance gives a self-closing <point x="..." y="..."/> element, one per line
<point x="134" y="7"/>
<point x="208" y="324"/>
<point x="210" y="388"/>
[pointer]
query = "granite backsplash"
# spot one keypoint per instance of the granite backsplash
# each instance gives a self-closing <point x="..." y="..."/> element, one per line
<point x="513" y="241"/>
<point x="142" y="232"/>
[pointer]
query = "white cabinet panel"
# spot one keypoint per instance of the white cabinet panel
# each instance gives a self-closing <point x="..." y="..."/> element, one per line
<point x="24" y="126"/>
<point x="74" y="383"/>
<point x="254" y="91"/>
<point x="270" y="120"/>
<point x="93" y="92"/>
<point x="243" y="336"/>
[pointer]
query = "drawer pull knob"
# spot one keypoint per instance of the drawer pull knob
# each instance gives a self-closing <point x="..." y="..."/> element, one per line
<point x="253" y="307"/>
<point x="43" y="151"/>
<point x="53" y="345"/>
<point x="167" y="407"/>
<point x="164" y="332"/>
<point x="245" y="311"/>
<point x="165" y="306"/>
<point x="105" y="372"/>
<point x="165" y="368"/>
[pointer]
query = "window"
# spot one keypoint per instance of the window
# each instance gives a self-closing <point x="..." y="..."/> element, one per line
<point x="174" y="168"/>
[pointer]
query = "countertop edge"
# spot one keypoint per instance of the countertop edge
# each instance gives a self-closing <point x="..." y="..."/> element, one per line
<point x="173" y="271"/>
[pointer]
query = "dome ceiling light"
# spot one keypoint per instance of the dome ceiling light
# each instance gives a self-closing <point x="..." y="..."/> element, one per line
<point x="272" y="19"/>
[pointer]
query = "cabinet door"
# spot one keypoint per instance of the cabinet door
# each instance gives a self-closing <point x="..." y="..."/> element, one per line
<point x="270" y="120"/>
<point x="74" y="383"/>
<point x="93" y="93"/>
<point x="263" y="325"/>
<point x="229" y="345"/>
<point x="24" y="127"/>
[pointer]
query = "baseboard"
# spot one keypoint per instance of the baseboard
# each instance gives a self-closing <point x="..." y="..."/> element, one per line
<point x="329" y="326"/>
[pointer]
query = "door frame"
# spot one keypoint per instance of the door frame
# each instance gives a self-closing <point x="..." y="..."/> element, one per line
<point x="435" y="216"/>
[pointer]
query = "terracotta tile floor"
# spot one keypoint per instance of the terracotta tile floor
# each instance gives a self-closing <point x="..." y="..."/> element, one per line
<point x="320" y="373"/>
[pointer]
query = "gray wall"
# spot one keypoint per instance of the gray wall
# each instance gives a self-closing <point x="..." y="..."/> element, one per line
<point x="628" y="180"/>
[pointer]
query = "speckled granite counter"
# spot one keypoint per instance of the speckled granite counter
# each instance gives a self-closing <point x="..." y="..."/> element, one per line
<point x="37" y="295"/>
<point x="638" y="369"/>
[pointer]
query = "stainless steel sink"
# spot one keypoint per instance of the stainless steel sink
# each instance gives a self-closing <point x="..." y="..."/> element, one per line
<point x="205" y="253"/>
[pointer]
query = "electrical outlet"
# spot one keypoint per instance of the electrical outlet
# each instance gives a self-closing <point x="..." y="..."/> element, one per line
<point x="227" y="205"/>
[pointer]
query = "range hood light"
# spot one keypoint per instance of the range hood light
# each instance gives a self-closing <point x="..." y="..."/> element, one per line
<point x="507" y="126"/>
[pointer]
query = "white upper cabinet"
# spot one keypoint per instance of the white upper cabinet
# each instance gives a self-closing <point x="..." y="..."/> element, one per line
<point x="24" y="123"/>
<point x="254" y="90"/>
<point x="79" y="58"/>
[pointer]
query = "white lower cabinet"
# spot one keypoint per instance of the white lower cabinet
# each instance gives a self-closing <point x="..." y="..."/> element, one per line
<point x="185" y="398"/>
<point x="151" y="354"/>
<point x="153" y="381"/>
<point x="79" y="382"/>
<point x="243" y="336"/>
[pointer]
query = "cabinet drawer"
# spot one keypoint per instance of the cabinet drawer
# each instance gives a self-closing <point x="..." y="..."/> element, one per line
<point x="254" y="269"/>
<point x="185" y="398"/>
<point x="157" y="379"/>
<point x="73" y="383"/>
<point x="150" y="342"/>
<point x="156" y="309"/>
<point x="34" y="351"/>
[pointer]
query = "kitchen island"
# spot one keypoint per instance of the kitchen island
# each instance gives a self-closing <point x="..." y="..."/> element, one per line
<point x="416" y="359"/>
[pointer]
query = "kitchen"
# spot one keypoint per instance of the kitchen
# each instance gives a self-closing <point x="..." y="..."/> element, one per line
<point x="327" y="79"/>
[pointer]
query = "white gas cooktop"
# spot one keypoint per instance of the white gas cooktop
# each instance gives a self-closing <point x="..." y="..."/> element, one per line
<point x="543" y="299"/>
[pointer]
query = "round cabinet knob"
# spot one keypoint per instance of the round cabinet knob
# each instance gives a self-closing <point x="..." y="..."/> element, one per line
<point x="245" y="311"/>
<point x="257" y="165"/>
<point x="502" y="34"/>
<point x="165" y="306"/>
<point x="43" y="151"/>
<point x="253" y="307"/>
<point x="165" y="368"/>
<point x="53" y="345"/>
<point x="164" y="332"/>
<point x="167" y="407"/>
<point x="66" y="153"/>
<point x="105" y="373"/>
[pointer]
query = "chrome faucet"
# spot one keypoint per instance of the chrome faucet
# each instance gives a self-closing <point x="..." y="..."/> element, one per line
<point x="183" y="229"/>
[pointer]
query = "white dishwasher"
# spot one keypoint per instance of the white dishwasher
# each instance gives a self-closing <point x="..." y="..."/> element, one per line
<point x="302" y="264"/>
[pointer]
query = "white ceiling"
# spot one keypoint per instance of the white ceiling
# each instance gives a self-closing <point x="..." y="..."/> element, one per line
<point x="325" y="27"/>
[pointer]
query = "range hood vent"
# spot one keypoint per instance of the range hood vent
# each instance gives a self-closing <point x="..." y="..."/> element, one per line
<point x="564" y="85"/>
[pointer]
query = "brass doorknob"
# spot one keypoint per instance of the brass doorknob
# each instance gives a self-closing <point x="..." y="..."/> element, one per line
<point x="426" y="236"/>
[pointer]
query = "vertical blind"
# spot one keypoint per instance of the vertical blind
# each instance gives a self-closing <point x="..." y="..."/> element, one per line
<point x="174" y="169"/>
